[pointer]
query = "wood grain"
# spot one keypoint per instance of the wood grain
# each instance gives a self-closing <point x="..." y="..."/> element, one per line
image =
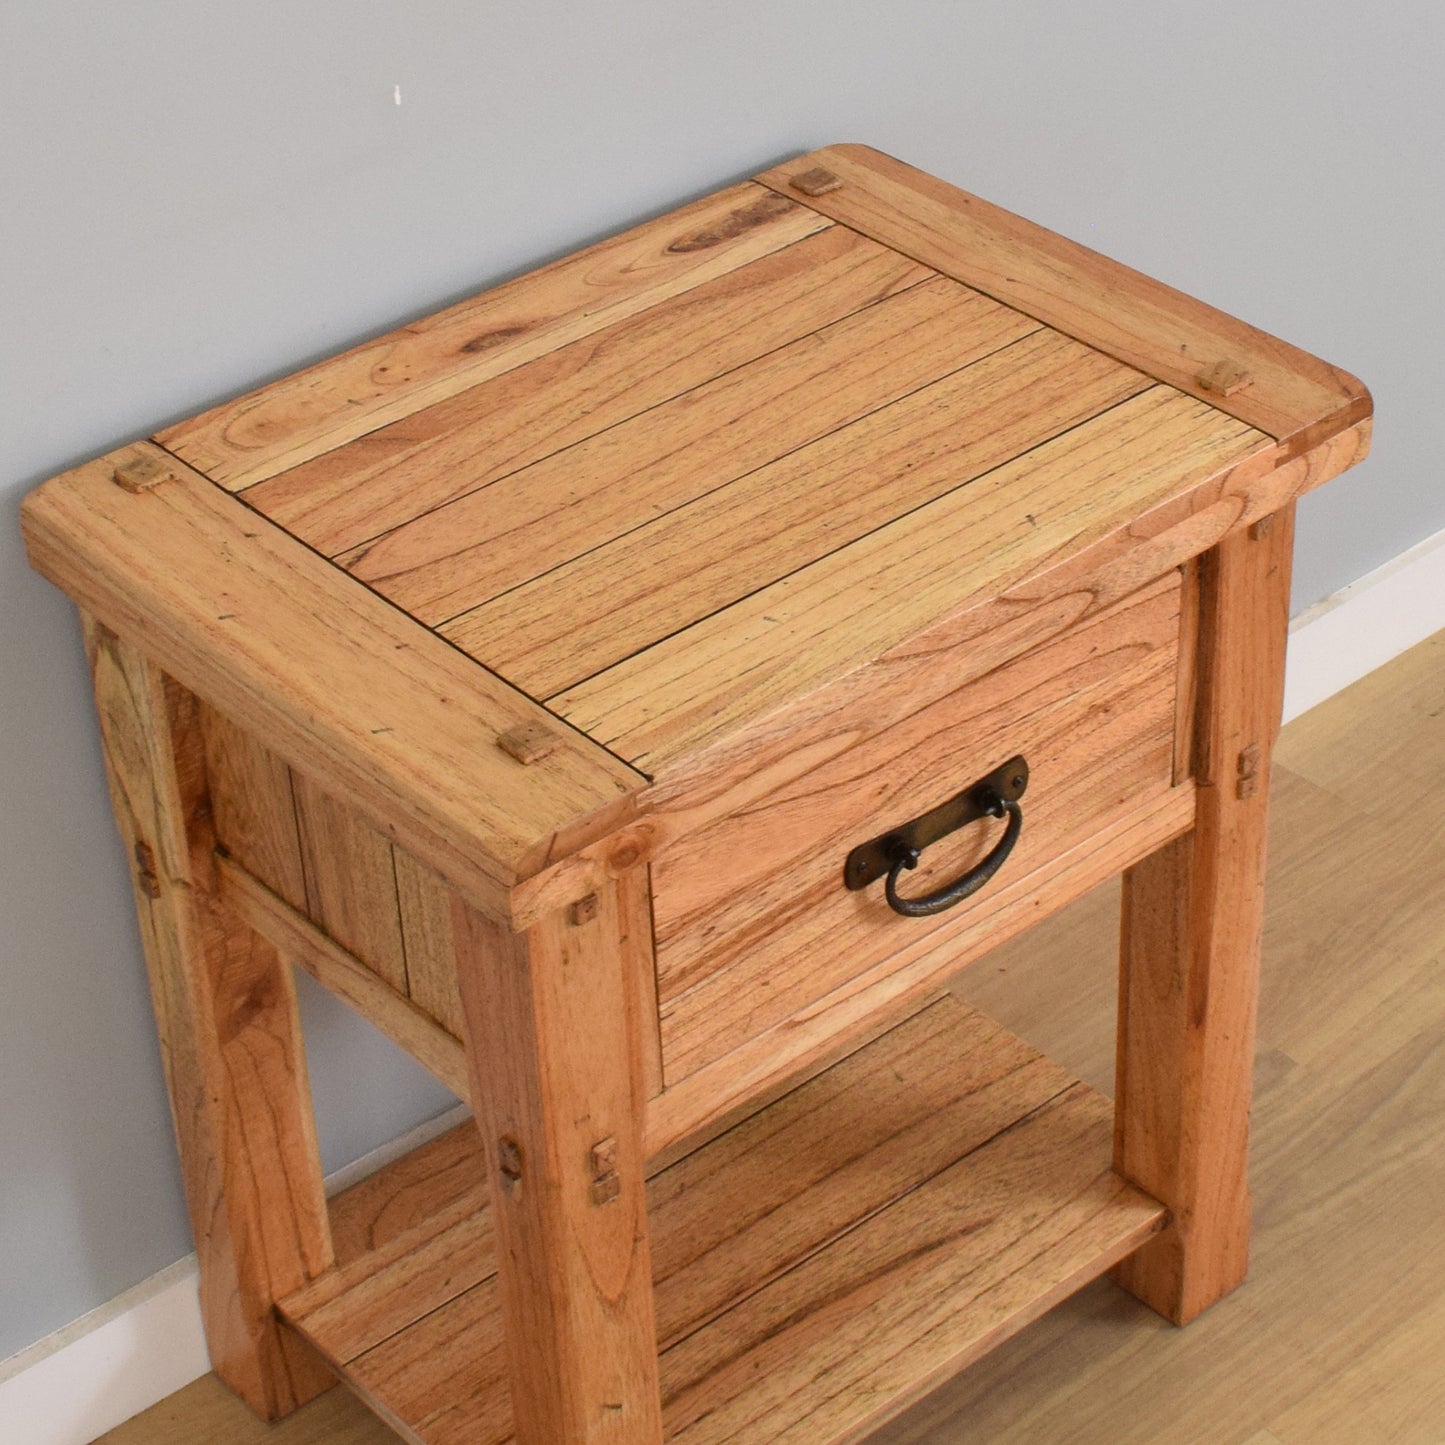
<point x="1065" y="497"/>
<point x="1189" y="978"/>
<point x="555" y="1049"/>
<point x="350" y="882"/>
<point x="339" y="684"/>
<point x="717" y="1094"/>
<point x="855" y="1229"/>
<point x="753" y="922"/>
<point x="253" y="809"/>
<point x="671" y="571"/>
<point x="425" y="903"/>
<point x="327" y="405"/>
<point x="538" y="519"/>
<point x="349" y="495"/>
<point x="1292" y="396"/>
<point x="231" y="1042"/>
<point x="352" y="980"/>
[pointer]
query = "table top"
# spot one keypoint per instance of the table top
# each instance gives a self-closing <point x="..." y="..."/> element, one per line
<point x="832" y="420"/>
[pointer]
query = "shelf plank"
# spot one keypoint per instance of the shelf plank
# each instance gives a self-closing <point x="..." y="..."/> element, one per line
<point x="816" y="1268"/>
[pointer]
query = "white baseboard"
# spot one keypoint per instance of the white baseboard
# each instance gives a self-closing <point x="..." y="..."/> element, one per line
<point x="146" y="1344"/>
<point x="136" y="1349"/>
<point x="1337" y="641"/>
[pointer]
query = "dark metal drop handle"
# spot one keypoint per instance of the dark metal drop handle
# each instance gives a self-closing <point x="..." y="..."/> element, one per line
<point x="960" y="888"/>
<point x="890" y="853"/>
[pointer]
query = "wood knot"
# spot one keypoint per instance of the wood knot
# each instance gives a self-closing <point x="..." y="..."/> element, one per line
<point x="147" y="878"/>
<point x="816" y="182"/>
<point x="734" y="224"/>
<point x="528" y="742"/>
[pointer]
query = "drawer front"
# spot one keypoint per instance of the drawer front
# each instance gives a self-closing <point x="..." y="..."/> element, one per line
<point x="752" y="921"/>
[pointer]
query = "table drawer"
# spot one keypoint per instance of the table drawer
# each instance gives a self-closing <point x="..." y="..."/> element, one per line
<point x="753" y="922"/>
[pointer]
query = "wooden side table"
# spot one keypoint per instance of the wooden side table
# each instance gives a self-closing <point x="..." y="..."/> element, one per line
<point x="637" y="690"/>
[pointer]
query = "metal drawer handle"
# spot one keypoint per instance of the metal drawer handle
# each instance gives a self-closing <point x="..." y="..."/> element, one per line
<point x="995" y="796"/>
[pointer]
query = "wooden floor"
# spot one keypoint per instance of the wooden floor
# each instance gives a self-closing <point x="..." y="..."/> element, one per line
<point x="1338" y="1338"/>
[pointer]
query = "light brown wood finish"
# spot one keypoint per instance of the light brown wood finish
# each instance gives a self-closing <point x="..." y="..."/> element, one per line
<point x="329" y="404"/>
<point x="753" y="922"/>
<point x="671" y="571"/>
<point x="810" y="1039"/>
<point x="1077" y="492"/>
<point x="253" y="809"/>
<point x="347" y="496"/>
<point x="351" y="889"/>
<point x="579" y="499"/>
<point x="1192" y="915"/>
<point x="341" y="685"/>
<point x="353" y="981"/>
<point x="1290" y="395"/>
<point x="425" y="904"/>
<point x="1338" y="1336"/>
<point x="556" y="1048"/>
<point x="787" y="1242"/>
<point x="231" y="1041"/>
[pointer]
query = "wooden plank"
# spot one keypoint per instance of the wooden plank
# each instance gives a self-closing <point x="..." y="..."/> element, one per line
<point x="725" y="770"/>
<point x="341" y="685"/>
<point x="555" y="1049"/>
<point x="353" y="981"/>
<point x="753" y="920"/>
<point x="461" y="555"/>
<point x="850" y="1014"/>
<point x="1189" y="978"/>
<point x="350" y="882"/>
<point x="767" y="1196"/>
<point x="630" y="592"/>
<point x="1102" y="479"/>
<point x="944" y="1185"/>
<point x="327" y="405"/>
<point x="426" y="930"/>
<point x="230" y="1040"/>
<point x="966" y="1259"/>
<point x="345" y="497"/>
<point x="1290" y="395"/>
<point x="252" y="809"/>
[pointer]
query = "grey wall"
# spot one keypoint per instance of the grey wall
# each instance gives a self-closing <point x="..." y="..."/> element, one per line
<point x="198" y="196"/>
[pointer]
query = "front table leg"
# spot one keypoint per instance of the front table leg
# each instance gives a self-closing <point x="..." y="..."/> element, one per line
<point x="230" y="1041"/>
<point x="555" y="1049"/>
<point x="1190" y="947"/>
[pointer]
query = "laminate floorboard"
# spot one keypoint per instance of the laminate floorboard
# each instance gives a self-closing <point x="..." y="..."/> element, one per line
<point x="1338" y="1336"/>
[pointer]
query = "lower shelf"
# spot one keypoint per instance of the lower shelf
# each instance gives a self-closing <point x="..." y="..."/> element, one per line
<point x="817" y="1268"/>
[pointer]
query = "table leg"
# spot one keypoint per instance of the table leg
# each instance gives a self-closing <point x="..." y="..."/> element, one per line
<point x="230" y="1041"/>
<point x="554" y="1047"/>
<point x="1190" y="946"/>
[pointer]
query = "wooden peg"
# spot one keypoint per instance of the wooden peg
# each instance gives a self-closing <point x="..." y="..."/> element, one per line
<point x="141" y="473"/>
<point x="816" y="182"/>
<point x="584" y="910"/>
<point x="602" y="1161"/>
<point x="528" y="742"/>
<point x="1224" y="378"/>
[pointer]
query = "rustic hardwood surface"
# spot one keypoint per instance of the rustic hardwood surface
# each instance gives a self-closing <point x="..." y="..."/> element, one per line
<point x="1336" y="1337"/>
<point x="1291" y="395"/>
<point x="340" y="399"/>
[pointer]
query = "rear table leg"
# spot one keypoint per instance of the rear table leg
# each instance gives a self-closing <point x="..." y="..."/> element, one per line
<point x="230" y="1041"/>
